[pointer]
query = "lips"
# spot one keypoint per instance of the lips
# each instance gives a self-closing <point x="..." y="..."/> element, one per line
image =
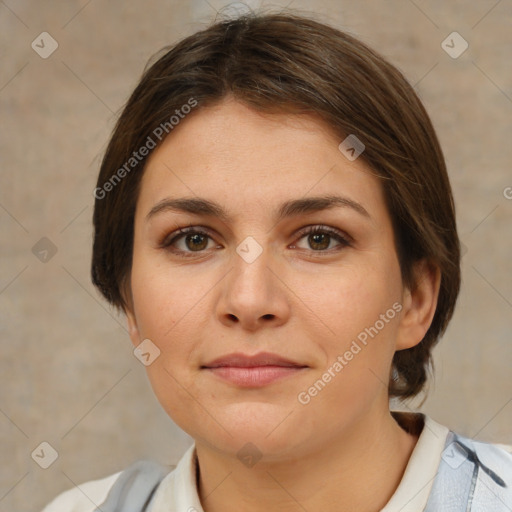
<point x="257" y="360"/>
<point x="253" y="371"/>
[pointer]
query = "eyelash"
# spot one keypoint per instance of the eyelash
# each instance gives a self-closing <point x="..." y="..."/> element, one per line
<point x="343" y="239"/>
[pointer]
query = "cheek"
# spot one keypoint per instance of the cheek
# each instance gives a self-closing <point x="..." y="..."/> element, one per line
<point x="163" y="299"/>
<point x="168" y="311"/>
<point x="359" y="312"/>
<point x="352" y="299"/>
<point x="164" y="305"/>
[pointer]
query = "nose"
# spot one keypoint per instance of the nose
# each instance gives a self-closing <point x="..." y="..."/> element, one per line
<point x="254" y="294"/>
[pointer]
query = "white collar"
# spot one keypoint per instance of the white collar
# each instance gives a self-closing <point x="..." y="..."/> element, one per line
<point x="178" y="490"/>
<point x="414" y="488"/>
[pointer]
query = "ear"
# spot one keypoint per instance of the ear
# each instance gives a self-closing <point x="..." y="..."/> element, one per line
<point x="419" y="305"/>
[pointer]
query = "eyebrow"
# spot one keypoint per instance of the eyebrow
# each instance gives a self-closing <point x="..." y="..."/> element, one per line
<point x="291" y="208"/>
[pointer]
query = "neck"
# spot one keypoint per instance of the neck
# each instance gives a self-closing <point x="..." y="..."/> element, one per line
<point x="335" y="476"/>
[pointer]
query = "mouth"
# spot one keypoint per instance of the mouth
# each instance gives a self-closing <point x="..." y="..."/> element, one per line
<point x="253" y="371"/>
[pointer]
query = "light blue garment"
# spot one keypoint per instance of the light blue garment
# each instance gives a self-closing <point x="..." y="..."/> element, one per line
<point x="472" y="477"/>
<point x="134" y="489"/>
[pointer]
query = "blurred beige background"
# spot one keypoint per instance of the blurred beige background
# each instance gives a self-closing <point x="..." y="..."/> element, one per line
<point x="68" y="374"/>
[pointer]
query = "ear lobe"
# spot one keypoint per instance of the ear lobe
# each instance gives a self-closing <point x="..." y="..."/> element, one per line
<point x="419" y="305"/>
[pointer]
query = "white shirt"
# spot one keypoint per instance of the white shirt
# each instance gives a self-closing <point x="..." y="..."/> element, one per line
<point x="178" y="491"/>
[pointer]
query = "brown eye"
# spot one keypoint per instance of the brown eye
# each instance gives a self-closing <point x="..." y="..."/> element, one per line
<point x="319" y="238"/>
<point x="187" y="241"/>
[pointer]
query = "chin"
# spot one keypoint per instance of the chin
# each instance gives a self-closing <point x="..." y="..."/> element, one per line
<point x="268" y="429"/>
<point x="256" y="444"/>
<point x="254" y="419"/>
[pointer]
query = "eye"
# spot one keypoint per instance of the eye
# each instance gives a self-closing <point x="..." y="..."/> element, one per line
<point x="319" y="238"/>
<point x="187" y="241"/>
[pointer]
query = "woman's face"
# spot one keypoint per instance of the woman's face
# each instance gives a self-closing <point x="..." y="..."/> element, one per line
<point x="329" y="306"/>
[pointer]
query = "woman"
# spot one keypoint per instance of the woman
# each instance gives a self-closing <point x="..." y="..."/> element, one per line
<point x="273" y="215"/>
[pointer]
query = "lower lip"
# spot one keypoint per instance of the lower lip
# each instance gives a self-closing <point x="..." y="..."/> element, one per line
<point x="256" y="376"/>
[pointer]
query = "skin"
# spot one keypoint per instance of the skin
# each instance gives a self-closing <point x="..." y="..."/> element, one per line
<point x="296" y="300"/>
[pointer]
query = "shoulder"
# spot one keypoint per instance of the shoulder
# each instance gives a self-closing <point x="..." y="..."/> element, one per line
<point x="496" y="454"/>
<point x="472" y="473"/>
<point x="492" y="462"/>
<point x="83" y="498"/>
<point x="134" y="485"/>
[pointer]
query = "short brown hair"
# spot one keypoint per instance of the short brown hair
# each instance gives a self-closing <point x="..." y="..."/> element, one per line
<point x="290" y="63"/>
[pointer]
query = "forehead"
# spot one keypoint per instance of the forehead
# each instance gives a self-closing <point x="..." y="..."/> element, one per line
<point x="244" y="158"/>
